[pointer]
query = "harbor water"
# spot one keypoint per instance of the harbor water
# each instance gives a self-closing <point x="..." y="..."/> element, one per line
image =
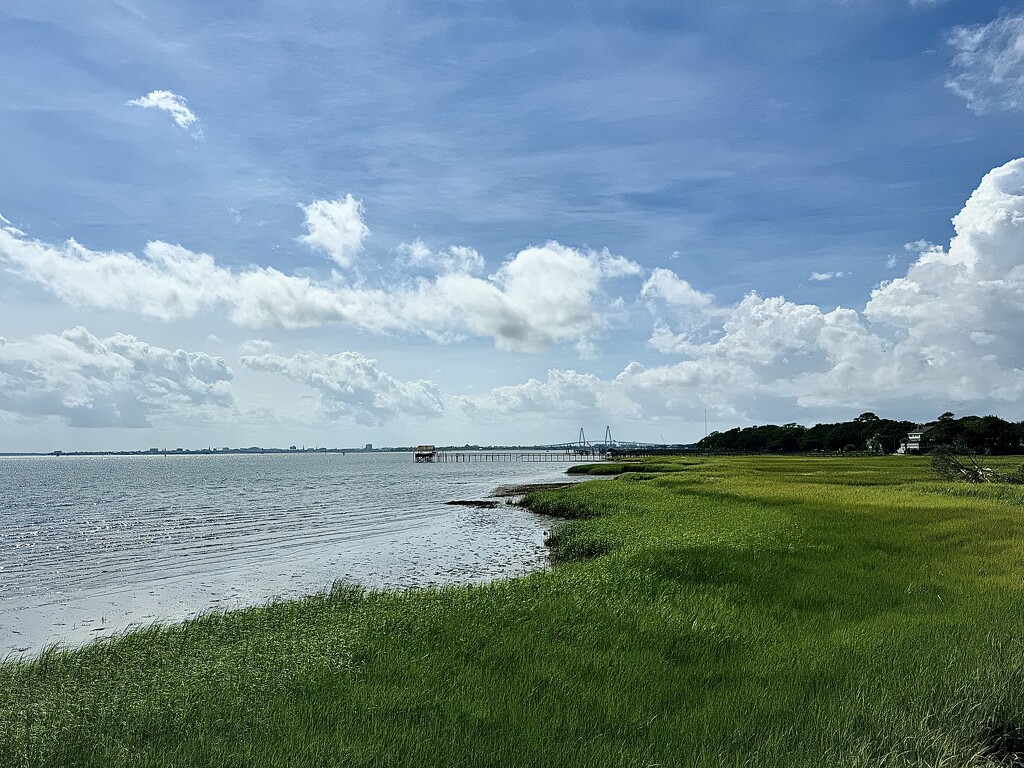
<point x="94" y="546"/>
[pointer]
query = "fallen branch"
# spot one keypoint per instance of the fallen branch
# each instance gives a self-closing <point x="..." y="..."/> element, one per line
<point x="949" y="466"/>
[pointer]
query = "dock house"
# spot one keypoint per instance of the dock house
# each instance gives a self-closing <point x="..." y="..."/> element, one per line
<point x="425" y="454"/>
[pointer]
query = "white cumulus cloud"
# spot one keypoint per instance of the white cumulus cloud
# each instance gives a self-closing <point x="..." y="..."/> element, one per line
<point x="673" y="290"/>
<point x="565" y="393"/>
<point x="544" y="294"/>
<point x="351" y="385"/>
<point x="958" y="314"/>
<point x="173" y="104"/>
<point x="118" y="381"/>
<point x="336" y="227"/>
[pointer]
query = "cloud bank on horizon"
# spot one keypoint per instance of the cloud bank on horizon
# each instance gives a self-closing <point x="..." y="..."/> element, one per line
<point x="118" y="381"/>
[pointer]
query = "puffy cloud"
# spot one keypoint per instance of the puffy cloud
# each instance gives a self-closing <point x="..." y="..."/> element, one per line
<point x="542" y="295"/>
<point x="565" y="393"/>
<point x="172" y="103"/>
<point x="350" y="384"/>
<point x="950" y="329"/>
<point x="920" y="246"/>
<point x="456" y="258"/>
<point x="167" y="283"/>
<point x="978" y="281"/>
<point x="917" y="248"/>
<point x="667" y="286"/>
<point x="688" y="309"/>
<point x="637" y="392"/>
<point x="686" y="388"/>
<point x="958" y="312"/>
<point x="545" y="294"/>
<point x="766" y="353"/>
<point x="118" y="381"/>
<point x="336" y="228"/>
<point x="764" y="331"/>
<point x="989" y="64"/>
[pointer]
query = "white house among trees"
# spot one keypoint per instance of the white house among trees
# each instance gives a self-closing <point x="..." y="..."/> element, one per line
<point x="917" y="440"/>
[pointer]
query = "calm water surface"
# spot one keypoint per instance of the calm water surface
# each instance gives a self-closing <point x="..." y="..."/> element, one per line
<point x="92" y="546"/>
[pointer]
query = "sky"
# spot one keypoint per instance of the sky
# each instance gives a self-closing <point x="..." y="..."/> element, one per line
<point x="233" y="224"/>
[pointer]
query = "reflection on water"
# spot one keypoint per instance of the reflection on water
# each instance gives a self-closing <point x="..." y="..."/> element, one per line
<point x="90" y="546"/>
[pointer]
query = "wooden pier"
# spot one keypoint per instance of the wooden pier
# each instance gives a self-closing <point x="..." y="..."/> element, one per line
<point x="543" y="456"/>
<point x="442" y="457"/>
<point x="581" y="450"/>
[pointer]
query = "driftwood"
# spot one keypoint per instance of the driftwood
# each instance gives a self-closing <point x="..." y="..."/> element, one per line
<point x="949" y="466"/>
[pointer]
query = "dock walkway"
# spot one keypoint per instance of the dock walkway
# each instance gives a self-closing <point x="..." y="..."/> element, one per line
<point x="442" y="457"/>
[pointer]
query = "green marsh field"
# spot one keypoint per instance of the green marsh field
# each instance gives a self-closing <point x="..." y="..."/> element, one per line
<point x="700" y="612"/>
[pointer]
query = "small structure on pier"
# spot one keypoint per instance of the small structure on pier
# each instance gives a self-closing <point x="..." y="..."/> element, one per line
<point x="425" y="454"/>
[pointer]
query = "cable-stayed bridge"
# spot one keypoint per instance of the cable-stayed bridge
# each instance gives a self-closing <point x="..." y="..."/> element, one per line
<point x="606" y="445"/>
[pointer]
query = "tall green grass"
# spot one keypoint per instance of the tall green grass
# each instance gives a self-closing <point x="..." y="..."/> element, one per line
<point x="727" y="611"/>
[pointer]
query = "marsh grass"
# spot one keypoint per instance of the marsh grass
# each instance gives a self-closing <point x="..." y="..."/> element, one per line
<point x="727" y="611"/>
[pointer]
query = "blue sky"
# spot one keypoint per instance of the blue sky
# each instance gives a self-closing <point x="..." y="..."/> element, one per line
<point x="743" y="149"/>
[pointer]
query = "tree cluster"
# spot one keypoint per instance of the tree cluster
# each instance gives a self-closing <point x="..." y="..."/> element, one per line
<point x="977" y="434"/>
<point x="868" y="432"/>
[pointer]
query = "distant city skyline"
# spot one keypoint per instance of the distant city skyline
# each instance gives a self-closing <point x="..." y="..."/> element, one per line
<point x="397" y="223"/>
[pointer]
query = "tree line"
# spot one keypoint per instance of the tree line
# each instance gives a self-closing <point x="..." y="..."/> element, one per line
<point x="868" y="432"/>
